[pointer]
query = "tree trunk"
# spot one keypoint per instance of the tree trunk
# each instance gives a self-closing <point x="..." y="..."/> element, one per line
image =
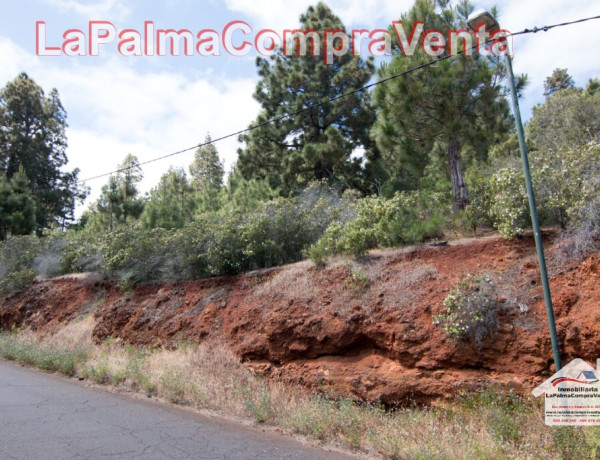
<point x="459" y="188"/>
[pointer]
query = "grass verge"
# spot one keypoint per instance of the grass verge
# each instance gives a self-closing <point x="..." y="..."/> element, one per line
<point x="490" y="424"/>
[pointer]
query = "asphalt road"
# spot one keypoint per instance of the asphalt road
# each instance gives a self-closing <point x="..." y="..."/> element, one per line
<point x="49" y="417"/>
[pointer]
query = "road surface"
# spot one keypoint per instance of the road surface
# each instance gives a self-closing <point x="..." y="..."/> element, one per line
<point x="50" y="417"/>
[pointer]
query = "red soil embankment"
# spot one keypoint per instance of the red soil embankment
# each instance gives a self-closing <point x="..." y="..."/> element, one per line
<point x="329" y="330"/>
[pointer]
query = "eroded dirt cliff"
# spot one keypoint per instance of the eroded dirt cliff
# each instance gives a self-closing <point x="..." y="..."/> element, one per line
<point x="358" y="328"/>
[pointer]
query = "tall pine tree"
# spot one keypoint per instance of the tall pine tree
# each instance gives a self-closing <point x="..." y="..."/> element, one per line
<point x="454" y="107"/>
<point x="316" y="144"/>
<point x="119" y="202"/>
<point x="207" y="176"/>
<point x="171" y="203"/>
<point x="32" y="137"/>
<point x="17" y="206"/>
<point x="560" y="79"/>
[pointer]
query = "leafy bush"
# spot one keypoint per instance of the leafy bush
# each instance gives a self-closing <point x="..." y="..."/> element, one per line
<point x="565" y="181"/>
<point x="406" y="218"/>
<point x="83" y="252"/>
<point x="135" y="254"/>
<point x="219" y="243"/>
<point x="471" y="310"/>
<point x="509" y="207"/>
<point x="17" y="255"/>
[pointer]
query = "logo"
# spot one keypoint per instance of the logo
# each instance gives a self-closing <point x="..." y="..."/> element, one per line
<point x="237" y="38"/>
<point x="572" y="395"/>
<point x="585" y="377"/>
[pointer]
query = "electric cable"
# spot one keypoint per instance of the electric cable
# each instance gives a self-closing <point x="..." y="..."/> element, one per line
<point x="333" y="99"/>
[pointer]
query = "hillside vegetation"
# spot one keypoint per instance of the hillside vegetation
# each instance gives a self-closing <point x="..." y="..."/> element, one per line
<point x="431" y="165"/>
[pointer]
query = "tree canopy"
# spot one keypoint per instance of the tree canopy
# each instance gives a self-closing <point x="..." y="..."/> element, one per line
<point x="453" y="108"/>
<point x="560" y="79"/>
<point x="119" y="202"/>
<point x="32" y="139"/>
<point x="308" y="144"/>
<point x="171" y="203"/>
<point x="207" y="175"/>
<point x="17" y="206"/>
<point x="568" y="118"/>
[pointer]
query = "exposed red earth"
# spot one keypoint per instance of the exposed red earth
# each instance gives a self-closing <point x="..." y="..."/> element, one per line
<point x="322" y="329"/>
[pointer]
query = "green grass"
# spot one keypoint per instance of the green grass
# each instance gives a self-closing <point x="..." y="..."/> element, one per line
<point x="64" y="361"/>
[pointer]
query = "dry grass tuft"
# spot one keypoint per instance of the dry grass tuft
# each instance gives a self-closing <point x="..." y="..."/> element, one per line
<point x="76" y="333"/>
<point x="293" y="282"/>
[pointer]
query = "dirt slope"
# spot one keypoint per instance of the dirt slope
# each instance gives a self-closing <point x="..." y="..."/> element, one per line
<point x="328" y="330"/>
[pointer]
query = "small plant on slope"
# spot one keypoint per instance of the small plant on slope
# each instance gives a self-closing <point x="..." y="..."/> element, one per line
<point x="471" y="310"/>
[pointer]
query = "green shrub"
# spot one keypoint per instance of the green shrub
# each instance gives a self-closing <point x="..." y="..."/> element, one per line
<point x="17" y="255"/>
<point x="565" y="182"/>
<point x="135" y="254"/>
<point x="471" y="309"/>
<point x="83" y="252"/>
<point x="223" y="243"/>
<point x="406" y="218"/>
<point x="16" y="281"/>
<point x="509" y="208"/>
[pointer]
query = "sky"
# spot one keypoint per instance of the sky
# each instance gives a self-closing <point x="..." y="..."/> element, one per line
<point x="151" y="106"/>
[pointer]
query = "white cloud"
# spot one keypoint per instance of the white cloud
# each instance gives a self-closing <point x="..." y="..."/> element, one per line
<point x="280" y="15"/>
<point x="151" y="115"/>
<point x="95" y="10"/>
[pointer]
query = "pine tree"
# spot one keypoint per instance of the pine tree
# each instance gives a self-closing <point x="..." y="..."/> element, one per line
<point x="32" y="137"/>
<point x="119" y="202"/>
<point x="316" y="144"/>
<point x="560" y="79"/>
<point x="207" y="176"/>
<point x="129" y="176"/>
<point x="247" y="194"/>
<point x="455" y="106"/>
<point x="171" y="203"/>
<point x="592" y="87"/>
<point x="17" y="206"/>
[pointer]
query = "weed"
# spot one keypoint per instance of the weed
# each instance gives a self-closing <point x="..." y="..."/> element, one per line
<point x="174" y="385"/>
<point x="488" y="424"/>
<point x="136" y="370"/>
<point x="358" y="282"/>
<point x="100" y="373"/>
<point x="570" y="441"/>
<point x="470" y="310"/>
<point x="258" y="403"/>
<point x="313" y="418"/>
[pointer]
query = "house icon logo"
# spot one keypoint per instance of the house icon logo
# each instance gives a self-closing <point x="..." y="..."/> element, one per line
<point x="572" y="395"/>
<point x="584" y="377"/>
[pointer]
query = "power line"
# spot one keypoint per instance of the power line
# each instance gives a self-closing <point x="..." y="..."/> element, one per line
<point x="562" y="24"/>
<point x="333" y="99"/>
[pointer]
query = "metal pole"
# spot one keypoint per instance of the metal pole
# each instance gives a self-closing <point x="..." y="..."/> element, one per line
<point x="535" y="223"/>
